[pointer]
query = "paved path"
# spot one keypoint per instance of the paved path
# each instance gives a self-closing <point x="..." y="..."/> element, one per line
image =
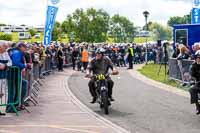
<point x="58" y="112"/>
<point x="143" y="108"/>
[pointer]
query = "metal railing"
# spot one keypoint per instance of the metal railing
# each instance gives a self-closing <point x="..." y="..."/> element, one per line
<point x="180" y="69"/>
<point x="12" y="82"/>
<point x="10" y="87"/>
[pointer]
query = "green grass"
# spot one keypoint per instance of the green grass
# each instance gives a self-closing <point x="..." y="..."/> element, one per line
<point x="142" y="39"/>
<point x="151" y="71"/>
<point x="15" y="37"/>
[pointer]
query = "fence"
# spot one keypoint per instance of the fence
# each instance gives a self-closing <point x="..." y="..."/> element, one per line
<point x="180" y="69"/>
<point x="10" y="83"/>
<point x="17" y="87"/>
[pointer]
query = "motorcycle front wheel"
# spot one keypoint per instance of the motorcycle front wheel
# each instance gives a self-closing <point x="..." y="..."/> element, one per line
<point x="105" y="102"/>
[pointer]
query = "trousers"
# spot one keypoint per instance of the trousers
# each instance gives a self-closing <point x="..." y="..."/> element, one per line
<point x="92" y="88"/>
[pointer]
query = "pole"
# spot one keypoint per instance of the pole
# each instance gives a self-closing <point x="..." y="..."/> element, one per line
<point x="146" y="42"/>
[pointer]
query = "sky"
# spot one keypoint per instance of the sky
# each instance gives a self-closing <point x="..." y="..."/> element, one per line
<point x="33" y="12"/>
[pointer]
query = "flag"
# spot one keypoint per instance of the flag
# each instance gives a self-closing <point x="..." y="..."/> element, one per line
<point x="52" y="9"/>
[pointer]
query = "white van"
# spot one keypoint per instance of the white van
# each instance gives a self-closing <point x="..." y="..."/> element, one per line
<point x="18" y="29"/>
<point x="5" y="29"/>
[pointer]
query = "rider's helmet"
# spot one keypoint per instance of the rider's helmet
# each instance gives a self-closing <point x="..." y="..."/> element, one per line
<point x="197" y="54"/>
<point x="100" y="51"/>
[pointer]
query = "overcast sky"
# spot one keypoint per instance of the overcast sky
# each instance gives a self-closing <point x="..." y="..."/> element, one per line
<point x="33" y="12"/>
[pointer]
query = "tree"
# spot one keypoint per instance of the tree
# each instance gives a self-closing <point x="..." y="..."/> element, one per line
<point x="32" y="32"/>
<point x="98" y="25"/>
<point x="22" y="25"/>
<point x="6" y="37"/>
<point x="94" y="25"/>
<point x="57" y="31"/>
<point x="186" y="19"/>
<point x="1" y="24"/>
<point x="87" y="26"/>
<point x="160" y="32"/>
<point x="121" y="29"/>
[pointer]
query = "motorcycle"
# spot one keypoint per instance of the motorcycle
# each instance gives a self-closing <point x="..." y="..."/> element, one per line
<point x="102" y="92"/>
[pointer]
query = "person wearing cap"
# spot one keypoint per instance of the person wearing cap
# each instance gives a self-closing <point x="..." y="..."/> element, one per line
<point x="18" y="58"/>
<point x="195" y="73"/>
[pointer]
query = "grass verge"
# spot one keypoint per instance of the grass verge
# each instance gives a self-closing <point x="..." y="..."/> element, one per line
<point x="152" y="71"/>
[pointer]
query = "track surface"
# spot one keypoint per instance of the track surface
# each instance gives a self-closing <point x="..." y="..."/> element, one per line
<point x="141" y="108"/>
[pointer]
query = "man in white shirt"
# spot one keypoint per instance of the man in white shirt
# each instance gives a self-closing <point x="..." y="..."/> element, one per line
<point x="5" y="61"/>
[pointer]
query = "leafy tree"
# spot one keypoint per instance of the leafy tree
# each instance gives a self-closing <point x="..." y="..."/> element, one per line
<point x="6" y="37"/>
<point x="57" y="31"/>
<point x="1" y="24"/>
<point x="186" y="19"/>
<point x="160" y="32"/>
<point x="32" y="32"/>
<point x="22" y="25"/>
<point x="121" y="29"/>
<point x="87" y="26"/>
<point x="98" y="25"/>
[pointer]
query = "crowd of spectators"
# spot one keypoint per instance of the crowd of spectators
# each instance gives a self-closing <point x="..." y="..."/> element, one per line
<point x="118" y="53"/>
<point x="28" y="55"/>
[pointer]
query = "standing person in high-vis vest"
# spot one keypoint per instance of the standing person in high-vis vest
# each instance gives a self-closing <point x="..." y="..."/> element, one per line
<point x="130" y="57"/>
<point x="85" y="58"/>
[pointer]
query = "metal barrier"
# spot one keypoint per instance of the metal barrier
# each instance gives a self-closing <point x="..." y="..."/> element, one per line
<point x="180" y="69"/>
<point x="11" y="82"/>
<point x="33" y="77"/>
<point x="47" y="66"/>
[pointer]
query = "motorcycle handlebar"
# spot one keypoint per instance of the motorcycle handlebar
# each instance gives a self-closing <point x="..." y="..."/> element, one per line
<point x="96" y="75"/>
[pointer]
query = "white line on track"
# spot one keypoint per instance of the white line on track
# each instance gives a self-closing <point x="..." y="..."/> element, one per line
<point x="96" y="116"/>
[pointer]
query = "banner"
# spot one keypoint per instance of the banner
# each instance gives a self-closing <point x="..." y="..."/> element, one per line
<point x="52" y="10"/>
<point x="196" y="12"/>
<point x="196" y="3"/>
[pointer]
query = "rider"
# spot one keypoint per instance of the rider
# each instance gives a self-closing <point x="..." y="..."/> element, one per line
<point x="100" y="65"/>
<point x="195" y="72"/>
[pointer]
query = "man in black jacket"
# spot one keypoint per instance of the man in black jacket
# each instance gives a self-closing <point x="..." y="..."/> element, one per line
<point x="75" y="55"/>
<point x="194" y="91"/>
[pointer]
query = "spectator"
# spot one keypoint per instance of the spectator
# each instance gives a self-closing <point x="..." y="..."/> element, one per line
<point x="85" y="58"/>
<point x="184" y="53"/>
<point x="75" y="55"/>
<point x="195" y="48"/>
<point x="60" y="59"/>
<point x="4" y="56"/>
<point x="170" y="50"/>
<point x="130" y="57"/>
<point x="176" y="51"/>
<point x="18" y="59"/>
<point x="5" y="62"/>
